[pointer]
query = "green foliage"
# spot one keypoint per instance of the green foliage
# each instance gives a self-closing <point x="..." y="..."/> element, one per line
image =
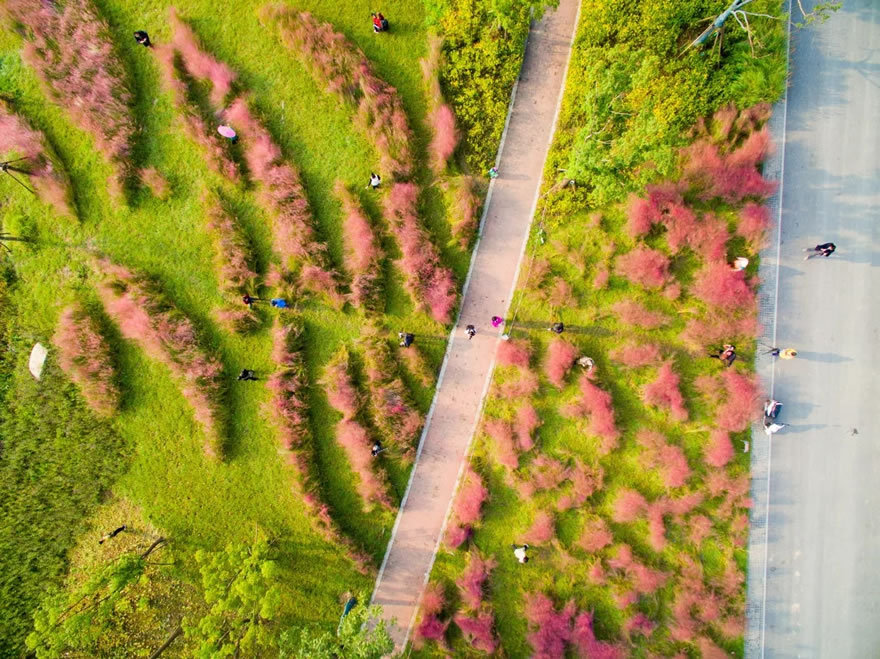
<point x="241" y="586"/>
<point x="634" y="91"/>
<point x="820" y="13"/>
<point x="355" y="638"/>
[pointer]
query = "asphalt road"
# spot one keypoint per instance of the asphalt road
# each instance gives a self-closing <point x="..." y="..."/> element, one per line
<point x="821" y="597"/>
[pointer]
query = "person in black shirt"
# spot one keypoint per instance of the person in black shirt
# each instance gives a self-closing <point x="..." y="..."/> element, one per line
<point x="143" y="38"/>
<point x="825" y="249"/>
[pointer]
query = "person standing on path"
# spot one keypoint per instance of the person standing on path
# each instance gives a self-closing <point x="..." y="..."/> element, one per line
<point x="520" y="553"/>
<point x="497" y="321"/>
<point x="825" y="249"/>
<point x="471" y="331"/>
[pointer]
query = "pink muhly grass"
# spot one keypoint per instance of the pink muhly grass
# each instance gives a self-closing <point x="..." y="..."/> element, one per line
<point x="547" y="473"/>
<point x="672" y="292"/>
<point x="656" y="526"/>
<point x="233" y="258"/>
<point x="513" y="353"/>
<point x="440" y="119"/>
<point x="718" y="327"/>
<point x="622" y="559"/>
<point x="238" y="318"/>
<point x="430" y="627"/>
<point x="478" y="630"/>
<point x="644" y="266"/>
<point x="363" y="251"/>
<point x="560" y="356"/>
<point x="643" y="213"/>
<point x="718" y="285"/>
<point x="456" y="535"/>
<point x="709" y="237"/>
<point x="84" y="356"/>
<point x="283" y="195"/>
<point x="640" y="624"/>
<point x="740" y="407"/>
<point x="19" y="140"/>
<point x="155" y="182"/>
<point x="631" y="312"/>
<point x="683" y="504"/>
<point x="464" y="207"/>
<point x="596" y="574"/>
<point x="597" y="404"/>
<point x="341" y="391"/>
<point x="417" y="365"/>
<point x="144" y="315"/>
<point x="634" y="355"/>
<point x="585" y="480"/>
<point x="289" y="385"/>
<point x="527" y="421"/>
<point x="624" y="598"/>
<point x="600" y="279"/>
<point x="629" y="505"/>
<point x="680" y="221"/>
<point x="542" y="530"/>
<point x="700" y="528"/>
<point x="664" y="393"/>
<point x="348" y="73"/>
<point x="560" y="295"/>
<point x="505" y="448"/>
<point x="754" y="222"/>
<point x="521" y="387"/>
<point x="708" y="649"/>
<point x="70" y="47"/>
<point x="390" y="404"/>
<point x="719" y="451"/>
<point x="429" y="283"/>
<point x="372" y="484"/>
<point x="473" y="580"/>
<point x="733" y="626"/>
<point x="731" y="177"/>
<point x="471" y="496"/>
<point x="668" y="459"/>
<point x="595" y="536"/>
<point x="198" y="63"/>
<point x="584" y="640"/>
<point x="551" y="628"/>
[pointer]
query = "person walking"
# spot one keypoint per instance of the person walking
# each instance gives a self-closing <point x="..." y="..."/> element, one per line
<point x="825" y="249"/>
<point x="375" y="180"/>
<point x="278" y="302"/>
<point x="406" y="339"/>
<point x="497" y="321"/>
<point x="250" y="299"/>
<point x="377" y="448"/>
<point x="247" y="374"/>
<point x="771" y="427"/>
<point x="557" y="328"/>
<point x="520" y="552"/>
<point x="471" y="331"/>
<point x="493" y="173"/>
<point x="111" y="534"/>
<point x="787" y="353"/>
<point x="143" y="39"/>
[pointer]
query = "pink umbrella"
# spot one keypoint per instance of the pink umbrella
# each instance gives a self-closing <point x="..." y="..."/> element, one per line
<point x="226" y="131"/>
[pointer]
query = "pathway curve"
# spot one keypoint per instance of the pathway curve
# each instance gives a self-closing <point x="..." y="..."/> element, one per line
<point x="467" y="367"/>
<point x="814" y="586"/>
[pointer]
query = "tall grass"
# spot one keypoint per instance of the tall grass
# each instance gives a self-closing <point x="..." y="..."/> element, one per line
<point x="20" y="140"/>
<point x="348" y="73"/>
<point x="440" y="119"/>
<point x="363" y="251"/>
<point x="146" y="316"/>
<point x="70" y="47"/>
<point x="85" y="356"/>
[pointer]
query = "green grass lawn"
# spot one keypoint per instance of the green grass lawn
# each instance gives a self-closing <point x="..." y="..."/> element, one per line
<point x="155" y="455"/>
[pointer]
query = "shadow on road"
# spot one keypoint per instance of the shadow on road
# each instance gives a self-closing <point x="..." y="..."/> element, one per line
<point x="825" y="357"/>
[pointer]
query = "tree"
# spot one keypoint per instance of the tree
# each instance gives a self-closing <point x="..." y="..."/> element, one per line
<point x="356" y="638"/>
<point x="820" y="13"/>
<point x="242" y="589"/>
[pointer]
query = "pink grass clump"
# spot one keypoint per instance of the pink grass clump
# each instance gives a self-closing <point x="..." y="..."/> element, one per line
<point x="664" y="393"/>
<point x="391" y="407"/>
<point x="644" y="266"/>
<point x="464" y="208"/>
<point x="430" y="284"/>
<point x="585" y="480"/>
<point x="198" y="63"/>
<point x="144" y="315"/>
<point x="595" y="536"/>
<point x="156" y="183"/>
<point x="597" y="404"/>
<point x="473" y="580"/>
<point x="70" y="47"/>
<point x="542" y="530"/>
<point x="501" y="433"/>
<point x="282" y="193"/>
<point x="741" y="404"/>
<point x="634" y="355"/>
<point x="478" y="630"/>
<point x="347" y="72"/>
<point x="551" y="629"/>
<point x="372" y="482"/>
<point x="289" y="385"/>
<point x="513" y="353"/>
<point x="718" y="285"/>
<point x="19" y="140"/>
<point x="754" y="222"/>
<point x="668" y="459"/>
<point x="560" y="356"/>
<point x="471" y="496"/>
<point x="339" y="386"/>
<point x="640" y="624"/>
<point x="430" y="627"/>
<point x="527" y="421"/>
<point x="584" y="640"/>
<point x="643" y="213"/>
<point x="84" y="356"/>
<point x="417" y="364"/>
<point x="719" y="450"/>
<point x="709" y="237"/>
<point x="440" y="119"/>
<point x="629" y="505"/>
<point x="631" y="312"/>
<point x="657" y="526"/>
<point x="520" y="387"/>
<point x="363" y="251"/>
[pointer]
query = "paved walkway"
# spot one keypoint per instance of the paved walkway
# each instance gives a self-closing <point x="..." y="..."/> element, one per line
<point x="814" y="586"/>
<point x="468" y="365"/>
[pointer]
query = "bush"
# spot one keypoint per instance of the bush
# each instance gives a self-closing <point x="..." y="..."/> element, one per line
<point x="719" y="451"/>
<point x="741" y="404"/>
<point x="597" y="404"/>
<point x="478" y="630"/>
<point x="473" y="580"/>
<point x="143" y="314"/>
<point x="430" y="628"/>
<point x="471" y="496"/>
<point x="429" y="283"/>
<point x="440" y="119"/>
<point x="631" y="312"/>
<point x="644" y="266"/>
<point x="629" y="505"/>
<point x="754" y="222"/>
<point x="718" y="285"/>
<point x="348" y="73"/>
<point x="502" y="434"/>
<point x="363" y="251"/>
<point x="634" y="355"/>
<point x="283" y="195"/>
<point x="71" y="48"/>
<point x="513" y="353"/>
<point x="19" y="140"/>
<point x="664" y="393"/>
<point x="84" y="355"/>
<point x="527" y="421"/>
<point x="560" y="356"/>
<point x="542" y="530"/>
<point x="595" y="536"/>
<point x="551" y="629"/>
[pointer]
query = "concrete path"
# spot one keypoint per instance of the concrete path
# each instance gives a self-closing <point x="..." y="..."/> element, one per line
<point x="814" y="587"/>
<point x="467" y="367"/>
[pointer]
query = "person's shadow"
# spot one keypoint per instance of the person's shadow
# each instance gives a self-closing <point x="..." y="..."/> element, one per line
<point x="825" y="357"/>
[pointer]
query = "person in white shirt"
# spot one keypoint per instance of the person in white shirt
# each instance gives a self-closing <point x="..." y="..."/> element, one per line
<point x="520" y="553"/>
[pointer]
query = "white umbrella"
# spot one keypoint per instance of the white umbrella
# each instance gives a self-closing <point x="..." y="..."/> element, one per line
<point x="38" y="358"/>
